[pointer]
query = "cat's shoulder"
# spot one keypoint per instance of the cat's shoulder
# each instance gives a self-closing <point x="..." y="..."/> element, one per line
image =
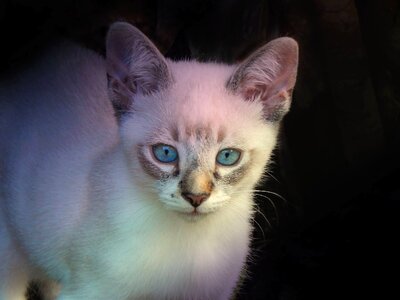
<point x="67" y="57"/>
<point x="60" y="60"/>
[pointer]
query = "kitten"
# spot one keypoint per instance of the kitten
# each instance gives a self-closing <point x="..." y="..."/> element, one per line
<point x="155" y="203"/>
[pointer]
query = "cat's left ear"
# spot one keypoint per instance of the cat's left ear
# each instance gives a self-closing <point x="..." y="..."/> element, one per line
<point x="268" y="75"/>
<point x="134" y="66"/>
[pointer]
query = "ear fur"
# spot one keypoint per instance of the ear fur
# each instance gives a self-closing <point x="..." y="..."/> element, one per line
<point x="134" y="65"/>
<point x="269" y="76"/>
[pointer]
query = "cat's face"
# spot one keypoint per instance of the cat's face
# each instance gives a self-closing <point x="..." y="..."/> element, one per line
<point x="199" y="147"/>
<point x="198" y="136"/>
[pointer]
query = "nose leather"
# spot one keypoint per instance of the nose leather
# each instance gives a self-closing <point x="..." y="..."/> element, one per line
<point x="195" y="199"/>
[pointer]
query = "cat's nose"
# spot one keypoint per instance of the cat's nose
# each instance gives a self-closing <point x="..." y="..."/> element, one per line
<point x="195" y="199"/>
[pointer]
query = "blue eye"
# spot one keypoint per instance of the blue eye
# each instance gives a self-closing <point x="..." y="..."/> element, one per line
<point x="228" y="157"/>
<point x="165" y="153"/>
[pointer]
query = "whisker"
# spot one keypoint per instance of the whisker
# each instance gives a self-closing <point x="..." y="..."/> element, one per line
<point x="259" y="193"/>
<point x="276" y="194"/>
<point x="239" y="214"/>
<point x="262" y="191"/>
<point x="258" y="210"/>
<point x="272" y="176"/>
<point x="259" y="226"/>
<point x="272" y="204"/>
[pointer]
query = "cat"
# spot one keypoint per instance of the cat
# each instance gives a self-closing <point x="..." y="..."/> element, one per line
<point x="132" y="177"/>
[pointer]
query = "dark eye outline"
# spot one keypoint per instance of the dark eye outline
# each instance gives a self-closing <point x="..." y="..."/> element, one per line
<point x="153" y="152"/>
<point x="229" y="149"/>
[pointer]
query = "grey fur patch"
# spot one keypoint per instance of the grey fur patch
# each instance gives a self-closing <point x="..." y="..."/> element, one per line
<point x="221" y="135"/>
<point x="174" y="134"/>
<point x="185" y="184"/>
<point x="237" y="175"/>
<point x="203" y="132"/>
<point x="149" y="167"/>
<point x="200" y="132"/>
<point x="216" y="175"/>
<point x="276" y="115"/>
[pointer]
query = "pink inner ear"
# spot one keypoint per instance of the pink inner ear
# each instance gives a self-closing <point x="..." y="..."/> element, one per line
<point x="264" y="92"/>
<point x="276" y="102"/>
<point x="253" y="93"/>
<point x="124" y="87"/>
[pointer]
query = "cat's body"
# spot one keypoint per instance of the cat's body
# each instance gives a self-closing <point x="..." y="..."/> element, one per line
<point x="84" y="201"/>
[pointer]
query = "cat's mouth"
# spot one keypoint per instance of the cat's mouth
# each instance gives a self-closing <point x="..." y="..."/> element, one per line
<point x="194" y="212"/>
<point x="193" y="215"/>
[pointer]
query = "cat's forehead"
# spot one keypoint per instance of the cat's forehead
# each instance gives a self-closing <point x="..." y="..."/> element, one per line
<point x="197" y="106"/>
<point x="199" y="103"/>
<point x="187" y="73"/>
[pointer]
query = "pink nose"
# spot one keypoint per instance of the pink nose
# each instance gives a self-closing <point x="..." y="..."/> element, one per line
<point x="195" y="199"/>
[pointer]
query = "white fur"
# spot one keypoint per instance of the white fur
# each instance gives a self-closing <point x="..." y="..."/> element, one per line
<point x="76" y="207"/>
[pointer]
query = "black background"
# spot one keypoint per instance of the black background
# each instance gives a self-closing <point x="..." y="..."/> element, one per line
<point x="335" y="233"/>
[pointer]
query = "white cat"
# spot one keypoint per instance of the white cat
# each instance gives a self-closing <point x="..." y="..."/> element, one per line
<point x="155" y="203"/>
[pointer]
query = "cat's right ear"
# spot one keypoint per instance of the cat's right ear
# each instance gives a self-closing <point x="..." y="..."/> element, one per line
<point x="268" y="76"/>
<point x="134" y="66"/>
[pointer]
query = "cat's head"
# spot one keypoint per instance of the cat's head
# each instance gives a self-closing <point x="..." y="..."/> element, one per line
<point x="201" y="133"/>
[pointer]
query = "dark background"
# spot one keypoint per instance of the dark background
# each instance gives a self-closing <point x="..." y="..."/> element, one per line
<point x="335" y="233"/>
